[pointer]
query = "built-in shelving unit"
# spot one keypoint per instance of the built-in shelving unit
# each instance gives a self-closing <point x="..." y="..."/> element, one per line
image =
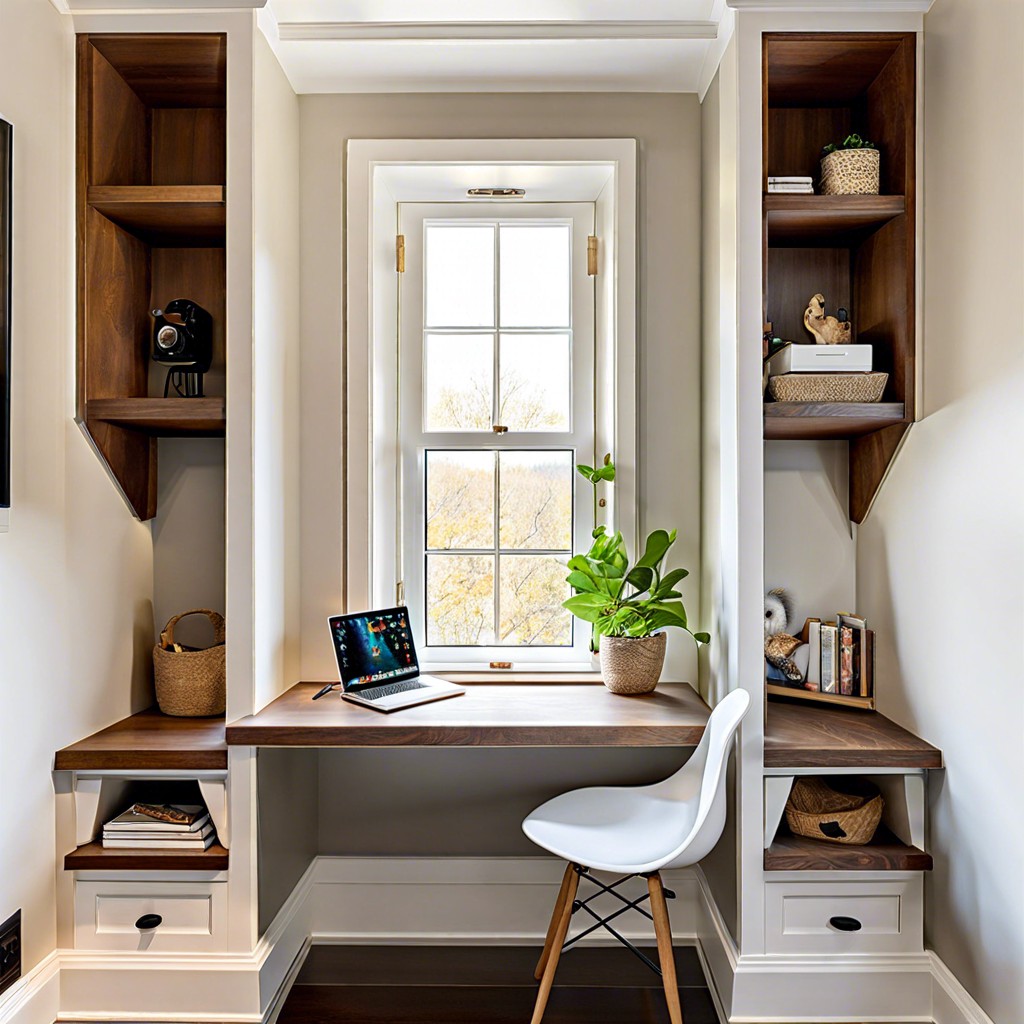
<point x="858" y="251"/>
<point x="804" y="736"/>
<point x="93" y="857"/>
<point x="151" y="167"/>
<point x="163" y="417"/>
<point x="884" y="853"/>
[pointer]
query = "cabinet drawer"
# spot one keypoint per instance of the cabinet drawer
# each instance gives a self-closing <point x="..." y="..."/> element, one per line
<point x="844" y="917"/>
<point x="192" y="915"/>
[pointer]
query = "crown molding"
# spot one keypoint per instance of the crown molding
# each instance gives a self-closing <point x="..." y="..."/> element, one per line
<point x="834" y="6"/>
<point x="152" y="6"/>
<point x="492" y="31"/>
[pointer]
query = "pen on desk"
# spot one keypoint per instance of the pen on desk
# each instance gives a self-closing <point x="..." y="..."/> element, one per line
<point x="327" y="689"/>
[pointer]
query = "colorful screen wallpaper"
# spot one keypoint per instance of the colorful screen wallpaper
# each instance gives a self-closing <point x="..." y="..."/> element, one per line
<point x="374" y="647"/>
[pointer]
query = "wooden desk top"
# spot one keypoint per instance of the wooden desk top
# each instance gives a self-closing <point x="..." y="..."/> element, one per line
<point x="149" y="740"/>
<point x="810" y="736"/>
<point x="524" y="715"/>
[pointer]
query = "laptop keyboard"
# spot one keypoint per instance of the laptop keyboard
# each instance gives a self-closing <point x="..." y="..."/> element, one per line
<point x="376" y="692"/>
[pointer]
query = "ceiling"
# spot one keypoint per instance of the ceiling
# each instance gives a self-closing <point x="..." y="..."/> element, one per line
<point x="484" y="46"/>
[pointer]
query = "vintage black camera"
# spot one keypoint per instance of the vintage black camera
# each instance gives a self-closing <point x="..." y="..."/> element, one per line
<point x="183" y="339"/>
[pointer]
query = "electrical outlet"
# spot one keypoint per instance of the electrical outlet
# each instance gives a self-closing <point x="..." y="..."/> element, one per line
<point x="10" y="951"/>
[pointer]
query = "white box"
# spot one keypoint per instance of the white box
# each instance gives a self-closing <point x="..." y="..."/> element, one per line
<point x="821" y="359"/>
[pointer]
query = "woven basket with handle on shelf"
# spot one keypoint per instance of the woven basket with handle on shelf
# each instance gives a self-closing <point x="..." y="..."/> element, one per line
<point x="818" y="811"/>
<point x="191" y="683"/>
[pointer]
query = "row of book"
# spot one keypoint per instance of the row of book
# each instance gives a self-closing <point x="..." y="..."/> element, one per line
<point x="791" y="184"/>
<point x="841" y="656"/>
<point x="160" y="827"/>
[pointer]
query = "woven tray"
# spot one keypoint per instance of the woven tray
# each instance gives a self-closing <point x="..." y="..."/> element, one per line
<point x="828" y="387"/>
<point x="818" y="811"/>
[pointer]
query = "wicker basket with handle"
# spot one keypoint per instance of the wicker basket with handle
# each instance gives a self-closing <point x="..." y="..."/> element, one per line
<point x="191" y="683"/>
<point x="818" y="811"/>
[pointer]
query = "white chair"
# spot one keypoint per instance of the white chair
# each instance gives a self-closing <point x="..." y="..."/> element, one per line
<point x="635" y="830"/>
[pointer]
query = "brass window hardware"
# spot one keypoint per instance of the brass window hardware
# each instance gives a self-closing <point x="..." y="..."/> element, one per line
<point x="501" y="664"/>
<point x="499" y="429"/>
<point x="591" y="255"/>
<point x="400" y="254"/>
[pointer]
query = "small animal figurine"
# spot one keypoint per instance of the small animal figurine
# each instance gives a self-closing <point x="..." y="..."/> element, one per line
<point x="778" y="644"/>
<point x="827" y="330"/>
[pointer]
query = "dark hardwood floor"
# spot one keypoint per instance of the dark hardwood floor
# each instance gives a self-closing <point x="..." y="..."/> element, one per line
<point x="486" y="985"/>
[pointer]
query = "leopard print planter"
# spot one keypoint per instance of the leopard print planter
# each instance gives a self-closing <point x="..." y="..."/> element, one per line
<point x="850" y="172"/>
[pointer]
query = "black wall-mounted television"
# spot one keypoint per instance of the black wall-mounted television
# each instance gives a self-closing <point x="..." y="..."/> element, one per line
<point x="6" y="154"/>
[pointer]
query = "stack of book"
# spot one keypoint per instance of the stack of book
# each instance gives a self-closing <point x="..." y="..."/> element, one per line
<point x="160" y="827"/>
<point x="841" y="659"/>
<point x="792" y="184"/>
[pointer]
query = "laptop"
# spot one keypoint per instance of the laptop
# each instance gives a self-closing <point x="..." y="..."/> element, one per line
<point x="377" y="662"/>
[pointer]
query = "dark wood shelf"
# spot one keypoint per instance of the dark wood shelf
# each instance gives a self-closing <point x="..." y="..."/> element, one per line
<point x="818" y="421"/>
<point x="522" y="715"/>
<point x="93" y="857"/>
<point x="833" y="699"/>
<point x="163" y="417"/>
<point x="806" y="220"/>
<point x="884" y="853"/>
<point x="149" y="740"/>
<point x="811" y="736"/>
<point x="185" y="216"/>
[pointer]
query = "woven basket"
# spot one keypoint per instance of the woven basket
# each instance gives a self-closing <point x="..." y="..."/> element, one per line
<point x="191" y="683"/>
<point x="818" y="811"/>
<point x="828" y="387"/>
<point x="850" y="172"/>
<point x="632" y="665"/>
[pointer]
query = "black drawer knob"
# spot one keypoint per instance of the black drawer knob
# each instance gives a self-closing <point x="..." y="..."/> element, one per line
<point x="150" y="921"/>
<point x="845" y="924"/>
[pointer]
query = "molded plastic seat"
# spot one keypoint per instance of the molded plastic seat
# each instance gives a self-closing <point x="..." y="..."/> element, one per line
<point x="642" y="829"/>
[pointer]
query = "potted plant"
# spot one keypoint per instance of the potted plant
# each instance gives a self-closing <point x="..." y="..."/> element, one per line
<point x="850" y="168"/>
<point x="628" y="607"/>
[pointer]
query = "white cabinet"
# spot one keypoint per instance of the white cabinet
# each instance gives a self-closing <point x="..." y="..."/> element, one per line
<point x="162" y="916"/>
<point x="866" y="915"/>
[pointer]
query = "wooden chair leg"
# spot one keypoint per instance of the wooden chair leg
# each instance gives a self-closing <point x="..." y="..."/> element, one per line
<point x="663" y="931"/>
<point x="556" y="916"/>
<point x="555" y="951"/>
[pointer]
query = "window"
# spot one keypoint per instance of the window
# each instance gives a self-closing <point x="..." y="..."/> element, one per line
<point x="496" y="407"/>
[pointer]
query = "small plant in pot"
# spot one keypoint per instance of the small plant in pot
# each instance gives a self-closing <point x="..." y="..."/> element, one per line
<point x="629" y="607"/>
<point x="850" y="167"/>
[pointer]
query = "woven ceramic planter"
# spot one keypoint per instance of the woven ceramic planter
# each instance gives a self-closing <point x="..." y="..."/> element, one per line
<point x="850" y="172"/>
<point x="191" y="683"/>
<point x="632" y="665"/>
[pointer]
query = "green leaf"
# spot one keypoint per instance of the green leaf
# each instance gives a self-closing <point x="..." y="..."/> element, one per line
<point x="608" y="458"/>
<point x="674" y="609"/>
<point x="589" y="607"/>
<point x="586" y="471"/>
<point x="604" y="473"/>
<point x="702" y="638"/>
<point x="670" y="579"/>
<point x="658" y="544"/>
<point x="582" y="582"/>
<point x="640" y="578"/>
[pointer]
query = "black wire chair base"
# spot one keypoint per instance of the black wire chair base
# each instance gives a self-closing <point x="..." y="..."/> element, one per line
<point x="603" y="922"/>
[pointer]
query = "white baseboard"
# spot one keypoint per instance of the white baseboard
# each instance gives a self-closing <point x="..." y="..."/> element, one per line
<point x="35" y="998"/>
<point x="466" y="900"/>
<point x="478" y="901"/>
<point x="951" y="1002"/>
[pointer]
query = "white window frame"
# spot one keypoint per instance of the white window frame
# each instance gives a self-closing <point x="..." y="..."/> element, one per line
<point x="415" y="439"/>
<point x="381" y="174"/>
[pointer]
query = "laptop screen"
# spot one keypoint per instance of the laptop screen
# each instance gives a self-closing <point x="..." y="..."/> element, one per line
<point x="374" y="647"/>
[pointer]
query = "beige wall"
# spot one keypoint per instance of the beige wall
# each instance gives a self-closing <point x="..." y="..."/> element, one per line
<point x="668" y="130"/>
<point x="941" y="555"/>
<point x="76" y="570"/>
